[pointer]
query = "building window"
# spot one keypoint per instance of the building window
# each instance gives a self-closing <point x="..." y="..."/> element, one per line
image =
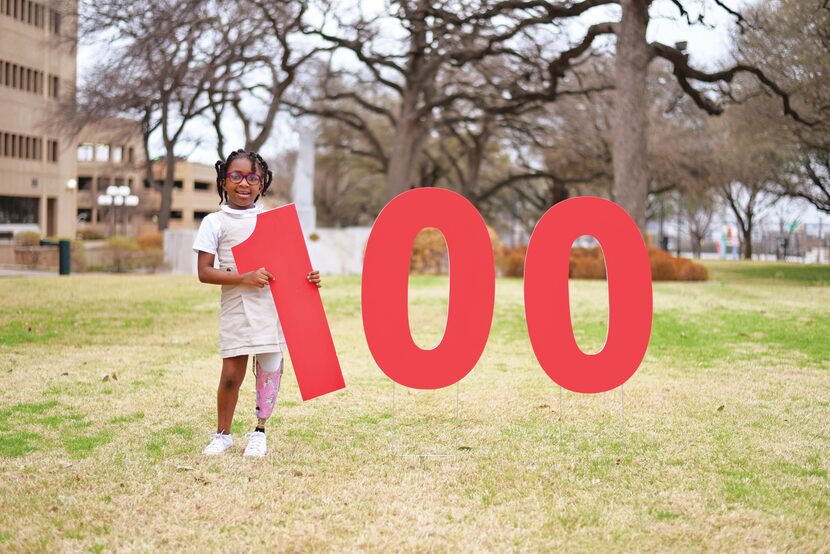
<point x="84" y="215"/>
<point x="102" y="152"/>
<point x="199" y="216"/>
<point x="52" y="151"/>
<point x="131" y="155"/>
<point x="175" y="214"/>
<point x="29" y="12"/>
<point x="201" y="185"/>
<point x="23" y="147"/>
<point x="54" y="86"/>
<point x="84" y="182"/>
<point x="54" y="22"/>
<point x="117" y="154"/>
<point x="85" y="152"/>
<point x="16" y="209"/>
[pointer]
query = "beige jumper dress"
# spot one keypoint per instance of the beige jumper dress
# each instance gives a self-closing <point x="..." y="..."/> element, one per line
<point x="248" y="322"/>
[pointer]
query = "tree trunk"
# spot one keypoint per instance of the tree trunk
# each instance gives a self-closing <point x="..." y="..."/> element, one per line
<point x="409" y="138"/>
<point x="697" y="239"/>
<point x="630" y="154"/>
<point x="146" y="130"/>
<point x="475" y="157"/>
<point x="167" y="189"/>
<point x="747" y="232"/>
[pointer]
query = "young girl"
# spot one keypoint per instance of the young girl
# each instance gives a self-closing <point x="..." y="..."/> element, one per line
<point x="248" y="323"/>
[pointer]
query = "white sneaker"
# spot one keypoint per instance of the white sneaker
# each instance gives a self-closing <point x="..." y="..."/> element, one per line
<point x="218" y="444"/>
<point x="256" y="445"/>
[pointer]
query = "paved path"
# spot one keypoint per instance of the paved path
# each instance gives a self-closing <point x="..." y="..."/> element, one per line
<point x="5" y="272"/>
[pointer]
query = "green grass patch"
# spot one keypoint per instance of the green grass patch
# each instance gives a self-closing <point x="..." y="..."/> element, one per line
<point x="802" y="274"/>
<point x="127" y="418"/>
<point x="14" y="445"/>
<point x="81" y="446"/>
<point x="33" y="409"/>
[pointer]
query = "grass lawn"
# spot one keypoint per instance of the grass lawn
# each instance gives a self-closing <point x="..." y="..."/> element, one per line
<point x="724" y="447"/>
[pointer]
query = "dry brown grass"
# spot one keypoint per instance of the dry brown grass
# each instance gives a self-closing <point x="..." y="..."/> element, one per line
<point x="118" y="464"/>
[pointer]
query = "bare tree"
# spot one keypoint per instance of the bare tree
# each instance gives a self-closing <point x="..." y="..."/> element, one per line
<point x="749" y="155"/>
<point x="275" y="55"/>
<point x="634" y="54"/>
<point x="427" y="71"/>
<point x="699" y="208"/>
<point x="167" y="57"/>
<point x="790" y="40"/>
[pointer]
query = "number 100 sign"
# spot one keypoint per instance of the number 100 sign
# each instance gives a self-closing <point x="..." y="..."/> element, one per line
<point x="277" y="244"/>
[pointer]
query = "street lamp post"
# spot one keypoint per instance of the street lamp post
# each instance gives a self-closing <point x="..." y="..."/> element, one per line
<point x="117" y="196"/>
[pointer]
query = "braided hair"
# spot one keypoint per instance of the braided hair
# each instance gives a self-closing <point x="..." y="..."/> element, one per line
<point x="256" y="160"/>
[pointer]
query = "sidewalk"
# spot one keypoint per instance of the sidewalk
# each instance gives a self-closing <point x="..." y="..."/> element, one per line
<point x="5" y="272"/>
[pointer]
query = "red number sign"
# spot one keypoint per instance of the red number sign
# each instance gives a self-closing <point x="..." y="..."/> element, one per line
<point x="386" y="280"/>
<point x="547" y="304"/>
<point x="277" y="244"/>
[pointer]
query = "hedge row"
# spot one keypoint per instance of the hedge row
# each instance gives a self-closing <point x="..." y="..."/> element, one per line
<point x="429" y="255"/>
<point x="589" y="263"/>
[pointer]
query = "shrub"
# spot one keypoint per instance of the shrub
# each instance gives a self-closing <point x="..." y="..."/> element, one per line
<point x="587" y="267"/>
<point x="429" y="252"/>
<point x="121" y="250"/>
<point x="663" y="269"/>
<point x="27" y="238"/>
<point x="90" y="234"/>
<point x="429" y="255"/>
<point x="151" y="240"/>
<point x="152" y="259"/>
<point x="511" y="260"/>
<point x="695" y="272"/>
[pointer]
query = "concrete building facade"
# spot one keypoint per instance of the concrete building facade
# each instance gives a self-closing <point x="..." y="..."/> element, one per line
<point x="110" y="152"/>
<point x="37" y="164"/>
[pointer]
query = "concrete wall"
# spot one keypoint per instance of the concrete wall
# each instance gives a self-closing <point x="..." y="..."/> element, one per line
<point x="334" y="252"/>
<point x="339" y="251"/>
<point x="178" y="251"/>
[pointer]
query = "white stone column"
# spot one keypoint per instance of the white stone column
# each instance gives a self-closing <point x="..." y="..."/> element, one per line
<point x="302" y="189"/>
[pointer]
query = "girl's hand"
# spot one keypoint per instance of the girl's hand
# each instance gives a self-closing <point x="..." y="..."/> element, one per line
<point x="257" y="278"/>
<point x="314" y="278"/>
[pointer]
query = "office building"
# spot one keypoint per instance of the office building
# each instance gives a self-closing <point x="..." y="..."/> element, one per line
<point x="37" y="163"/>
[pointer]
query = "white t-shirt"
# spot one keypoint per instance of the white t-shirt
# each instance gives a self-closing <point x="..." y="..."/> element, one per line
<point x="207" y="238"/>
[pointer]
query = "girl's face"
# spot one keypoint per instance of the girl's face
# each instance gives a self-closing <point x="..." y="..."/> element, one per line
<point x="241" y="195"/>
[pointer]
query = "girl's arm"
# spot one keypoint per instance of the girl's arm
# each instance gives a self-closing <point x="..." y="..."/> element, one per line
<point x="209" y="274"/>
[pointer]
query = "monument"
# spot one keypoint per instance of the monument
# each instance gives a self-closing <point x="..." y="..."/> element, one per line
<point x="302" y="188"/>
<point x="332" y="251"/>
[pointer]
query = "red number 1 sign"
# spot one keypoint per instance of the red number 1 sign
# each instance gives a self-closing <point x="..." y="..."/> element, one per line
<point x="277" y="244"/>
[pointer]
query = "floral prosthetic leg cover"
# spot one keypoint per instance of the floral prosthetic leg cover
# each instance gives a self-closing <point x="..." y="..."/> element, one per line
<point x="268" y="370"/>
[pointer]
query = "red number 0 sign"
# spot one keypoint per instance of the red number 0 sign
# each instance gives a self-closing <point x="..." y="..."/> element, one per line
<point x="277" y="244"/>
